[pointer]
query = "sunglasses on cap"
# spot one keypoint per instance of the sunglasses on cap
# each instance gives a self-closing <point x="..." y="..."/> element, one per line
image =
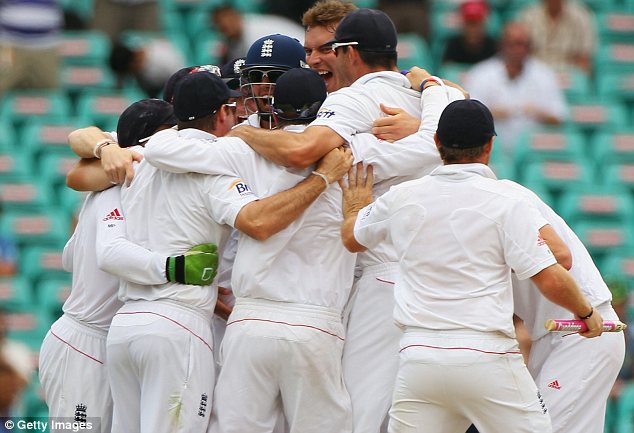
<point x="258" y="75"/>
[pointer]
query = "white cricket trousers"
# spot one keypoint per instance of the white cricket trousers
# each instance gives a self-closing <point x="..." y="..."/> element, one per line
<point x="450" y="379"/>
<point x="370" y="353"/>
<point x="279" y="357"/>
<point x="73" y="373"/>
<point x="161" y="368"/>
<point x="576" y="374"/>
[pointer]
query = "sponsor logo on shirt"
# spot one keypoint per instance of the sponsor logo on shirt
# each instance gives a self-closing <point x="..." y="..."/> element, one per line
<point x="325" y="113"/>
<point x="241" y="187"/>
<point x="540" y="241"/>
<point x="114" y="215"/>
<point x="554" y="385"/>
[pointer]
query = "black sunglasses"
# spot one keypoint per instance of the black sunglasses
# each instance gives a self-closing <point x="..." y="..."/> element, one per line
<point x="258" y="75"/>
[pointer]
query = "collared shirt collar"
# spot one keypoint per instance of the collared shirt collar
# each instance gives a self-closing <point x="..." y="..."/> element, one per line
<point x="463" y="171"/>
<point x="196" y="133"/>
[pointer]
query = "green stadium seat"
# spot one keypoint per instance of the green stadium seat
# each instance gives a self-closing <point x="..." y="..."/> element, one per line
<point x="43" y="228"/>
<point x="53" y="168"/>
<point x="102" y="108"/>
<point x="85" y="47"/>
<point x="549" y="144"/>
<point x="19" y="106"/>
<point x="616" y="86"/>
<point x="413" y="51"/>
<point x="15" y="292"/>
<point x="613" y="146"/>
<point x="39" y="264"/>
<point x="28" y="324"/>
<point x="619" y="264"/>
<point x="8" y="138"/>
<point x="32" y="194"/>
<point x="208" y="49"/>
<point x="615" y="25"/>
<point x="615" y="56"/>
<point x="15" y="166"/>
<point x="616" y="173"/>
<point x="595" y="115"/>
<point x="601" y="5"/>
<point x="455" y="72"/>
<point x="575" y="83"/>
<point x="596" y="204"/>
<point x="70" y="200"/>
<point x="42" y="137"/>
<point x="52" y="293"/>
<point x="555" y="176"/>
<point x="601" y="238"/>
<point x="76" y="78"/>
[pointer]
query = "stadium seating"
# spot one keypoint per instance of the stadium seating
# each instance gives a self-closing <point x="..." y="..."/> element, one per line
<point x="44" y="228"/>
<point x="549" y="144"/>
<point x="102" y="108"/>
<point x="601" y="238"/>
<point x="19" y="106"/>
<point x="48" y="136"/>
<point x="85" y="47"/>
<point x="52" y="292"/>
<point x="26" y="194"/>
<point x="597" y="204"/>
<point x="15" y="292"/>
<point x="413" y="51"/>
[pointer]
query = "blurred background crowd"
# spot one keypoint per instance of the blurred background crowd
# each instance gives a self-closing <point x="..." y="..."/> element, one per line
<point x="558" y="76"/>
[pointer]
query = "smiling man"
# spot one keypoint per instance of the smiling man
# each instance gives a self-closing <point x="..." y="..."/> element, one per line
<point x="321" y="21"/>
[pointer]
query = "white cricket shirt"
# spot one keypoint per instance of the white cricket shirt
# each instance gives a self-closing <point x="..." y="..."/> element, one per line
<point x="458" y="233"/>
<point x="304" y="263"/>
<point x="169" y="213"/>
<point x="93" y="298"/>
<point x="530" y="305"/>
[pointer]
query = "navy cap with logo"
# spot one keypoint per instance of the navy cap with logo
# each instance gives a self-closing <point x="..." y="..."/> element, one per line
<point x="140" y="121"/>
<point x="371" y="29"/>
<point x="170" y="84"/>
<point x="298" y="94"/>
<point x="465" y="124"/>
<point x="230" y="72"/>
<point x="276" y="50"/>
<point x="199" y="94"/>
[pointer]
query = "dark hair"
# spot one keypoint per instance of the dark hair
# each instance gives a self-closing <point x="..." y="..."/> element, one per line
<point x="121" y="58"/>
<point x="374" y="59"/>
<point x="453" y="156"/>
<point x="207" y="123"/>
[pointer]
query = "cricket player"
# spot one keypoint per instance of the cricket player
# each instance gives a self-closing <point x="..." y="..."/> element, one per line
<point x="155" y="388"/>
<point x="73" y="354"/>
<point x="459" y="233"/>
<point x="575" y="375"/>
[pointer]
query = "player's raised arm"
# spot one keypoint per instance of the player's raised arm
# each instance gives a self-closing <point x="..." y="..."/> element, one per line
<point x="288" y="148"/>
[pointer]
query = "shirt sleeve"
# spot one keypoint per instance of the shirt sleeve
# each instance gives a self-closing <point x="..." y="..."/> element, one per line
<point x="347" y="112"/>
<point x="524" y="249"/>
<point x="169" y="151"/>
<point x="118" y="256"/>
<point x="226" y="196"/>
<point x="413" y="155"/>
<point x="373" y="222"/>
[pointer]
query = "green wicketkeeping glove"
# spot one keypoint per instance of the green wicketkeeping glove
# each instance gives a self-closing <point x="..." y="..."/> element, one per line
<point x="198" y="266"/>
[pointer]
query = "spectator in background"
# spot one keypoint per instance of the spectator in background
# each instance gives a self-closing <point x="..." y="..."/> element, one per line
<point x="521" y="91"/>
<point x="409" y="16"/>
<point x="563" y="33"/>
<point x="473" y="44"/>
<point x="240" y="31"/>
<point x="115" y="16"/>
<point x="29" y="38"/>
<point x="151" y="64"/>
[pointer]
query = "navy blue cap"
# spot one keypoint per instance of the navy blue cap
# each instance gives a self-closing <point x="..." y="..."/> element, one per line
<point x="465" y="124"/>
<point x="276" y="50"/>
<point x="372" y="29"/>
<point x="298" y="95"/>
<point x="141" y="120"/>
<point x="199" y="94"/>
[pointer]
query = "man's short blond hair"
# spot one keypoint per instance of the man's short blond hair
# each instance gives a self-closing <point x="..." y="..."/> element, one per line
<point x="327" y="13"/>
